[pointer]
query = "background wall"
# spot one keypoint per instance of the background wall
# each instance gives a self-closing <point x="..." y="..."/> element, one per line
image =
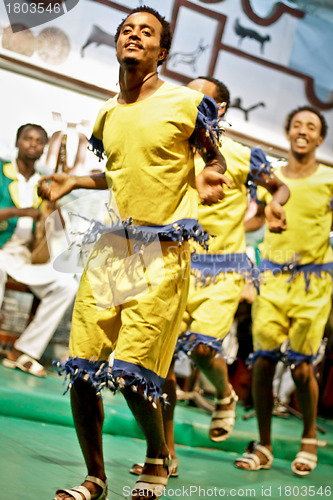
<point x="272" y="55"/>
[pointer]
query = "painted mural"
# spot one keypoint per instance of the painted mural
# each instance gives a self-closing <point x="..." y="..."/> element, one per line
<point x="272" y="55"/>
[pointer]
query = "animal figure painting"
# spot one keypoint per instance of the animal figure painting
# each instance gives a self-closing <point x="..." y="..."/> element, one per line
<point x="244" y="32"/>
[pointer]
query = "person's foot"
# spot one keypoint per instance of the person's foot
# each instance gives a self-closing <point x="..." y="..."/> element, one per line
<point x="256" y="457"/>
<point x="94" y="489"/>
<point x="280" y="411"/>
<point x="222" y="424"/>
<point x="159" y="471"/>
<point x="309" y="448"/>
<point x="18" y="359"/>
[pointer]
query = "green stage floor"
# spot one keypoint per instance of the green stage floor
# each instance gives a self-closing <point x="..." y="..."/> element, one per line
<point x="39" y="451"/>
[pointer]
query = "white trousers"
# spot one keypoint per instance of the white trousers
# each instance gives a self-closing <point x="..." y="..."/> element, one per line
<point x="56" y="296"/>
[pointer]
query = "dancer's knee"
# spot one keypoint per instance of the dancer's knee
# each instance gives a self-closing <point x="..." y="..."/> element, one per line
<point x="302" y="373"/>
<point x="203" y="354"/>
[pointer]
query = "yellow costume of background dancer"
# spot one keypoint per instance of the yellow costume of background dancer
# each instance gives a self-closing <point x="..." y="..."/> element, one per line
<point x="295" y="303"/>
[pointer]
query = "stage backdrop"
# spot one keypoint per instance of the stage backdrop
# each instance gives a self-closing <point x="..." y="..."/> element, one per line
<point x="273" y="56"/>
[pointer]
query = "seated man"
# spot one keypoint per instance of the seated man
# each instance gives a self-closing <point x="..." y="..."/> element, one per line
<point x="18" y="211"/>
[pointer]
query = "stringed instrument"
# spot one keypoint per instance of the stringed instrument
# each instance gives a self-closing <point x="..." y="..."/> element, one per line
<point x="40" y="251"/>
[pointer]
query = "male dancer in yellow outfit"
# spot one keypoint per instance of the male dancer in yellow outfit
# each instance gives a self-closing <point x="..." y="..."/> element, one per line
<point x="147" y="132"/>
<point x="295" y="292"/>
<point x="218" y="276"/>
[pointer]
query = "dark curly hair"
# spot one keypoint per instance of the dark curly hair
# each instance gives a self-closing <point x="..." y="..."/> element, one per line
<point x="33" y="125"/>
<point x="222" y="92"/>
<point x="166" y="36"/>
<point x="290" y="116"/>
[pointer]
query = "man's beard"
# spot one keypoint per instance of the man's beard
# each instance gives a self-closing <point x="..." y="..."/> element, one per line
<point x="130" y="62"/>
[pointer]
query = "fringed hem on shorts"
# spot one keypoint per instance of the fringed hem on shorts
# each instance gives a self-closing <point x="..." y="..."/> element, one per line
<point x="122" y="374"/>
<point x="97" y="373"/>
<point x="188" y="341"/>
<point x="274" y="354"/>
<point x="288" y="357"/>
<point x="125" y="374"/>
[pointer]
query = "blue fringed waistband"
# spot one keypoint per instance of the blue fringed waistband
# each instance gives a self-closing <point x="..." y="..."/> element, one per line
<point x="179" y="231"/>
<point x="206" y="267"/>
<point x="294" y="269"/>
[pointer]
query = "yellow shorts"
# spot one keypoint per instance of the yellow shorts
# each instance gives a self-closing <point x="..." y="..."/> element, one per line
<point x="210" y="310"/>
<point x="131" y="303"/>
<point x="288" y="311"/>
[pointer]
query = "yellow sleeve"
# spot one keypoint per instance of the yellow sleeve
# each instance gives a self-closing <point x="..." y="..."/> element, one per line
<point x="263" y="195"/>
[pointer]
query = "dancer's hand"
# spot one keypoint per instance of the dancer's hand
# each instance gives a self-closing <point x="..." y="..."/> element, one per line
<point x="276" y="217"/>
<point x="60" y="185"/>
<point x="209" y="184"/>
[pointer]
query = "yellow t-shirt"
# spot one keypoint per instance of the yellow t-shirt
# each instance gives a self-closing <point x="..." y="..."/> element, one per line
<point x="150" y="166"/>
<point x="225" y="219"/>
<point x="309" y="220"/>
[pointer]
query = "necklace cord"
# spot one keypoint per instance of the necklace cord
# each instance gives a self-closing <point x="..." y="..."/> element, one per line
<point x="141" y="83"/>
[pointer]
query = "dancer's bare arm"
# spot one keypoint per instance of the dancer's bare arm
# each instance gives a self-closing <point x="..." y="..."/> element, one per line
<point x="53" y="187"/>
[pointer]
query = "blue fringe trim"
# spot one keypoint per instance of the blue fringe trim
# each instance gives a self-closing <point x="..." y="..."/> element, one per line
<point x="258" y="165"/>
<point x="189" y="340"/>
<point x="125" y="374"/>
<point x="275" y="355"/>
<point x="288" y="356"/>
<point x="182" y="230"/>
<point x="295" y="269"/>
<point x="295" y="358"/>
<point x="97" y="147"/>
<point x="207" y="267"/>
<point x="122" y="374"/>
<point x="208" y="119"/>
<point x="97" y="373"/>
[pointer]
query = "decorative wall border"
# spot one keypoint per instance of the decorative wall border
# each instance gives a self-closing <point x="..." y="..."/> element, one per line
<point x="53" y="77"/>
<point x="278" y="10"/>
<point x="220" y="18"/>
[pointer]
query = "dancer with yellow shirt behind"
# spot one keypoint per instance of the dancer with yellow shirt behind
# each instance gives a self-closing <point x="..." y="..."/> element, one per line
<point x="218" y="276"/>
<point x="295" y="292"/>
<point x="131" y="299"/>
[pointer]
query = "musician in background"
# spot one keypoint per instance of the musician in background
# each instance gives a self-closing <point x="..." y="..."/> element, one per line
<point x="19" y="213"/>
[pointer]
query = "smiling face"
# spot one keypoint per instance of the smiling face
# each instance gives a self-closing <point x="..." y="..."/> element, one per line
<point x="305" y="133"/>
<point x="139" y="42"/>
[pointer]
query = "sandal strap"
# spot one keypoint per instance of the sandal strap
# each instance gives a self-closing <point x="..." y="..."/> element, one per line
<point x="226" y="425"/>
<point x="97" y="480"/>
<point x="233" y="398"/>
<point x="313" y="441"/>
<point x="166" y="461"/>
<point x="223" y="414"/>
<point x="76" y="492"/>
<point x="306" y="458"/>
<point x="155" y="488"/>
<point x="152" y="480"/>
<point x="35" y="366"/>
<point x="265" y="451"/>
<point x="250" y="458"/>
